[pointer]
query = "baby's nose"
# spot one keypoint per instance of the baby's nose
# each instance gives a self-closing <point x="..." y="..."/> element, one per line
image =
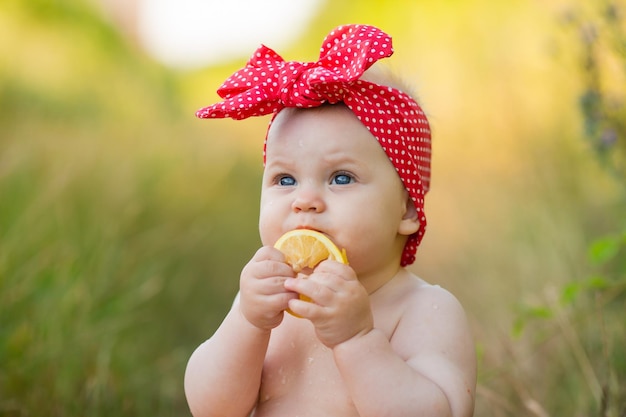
<point x="308" y="199"/>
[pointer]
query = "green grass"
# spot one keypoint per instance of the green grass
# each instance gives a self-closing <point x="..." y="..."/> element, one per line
<point x="112" y="265"/>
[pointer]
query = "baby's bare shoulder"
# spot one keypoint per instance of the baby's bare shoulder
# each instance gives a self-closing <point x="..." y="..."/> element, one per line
<point x="434" y="338"/>
<point x="431" y="319"/>
<point x="425" y="298"/>
<point x="416" y="297"/>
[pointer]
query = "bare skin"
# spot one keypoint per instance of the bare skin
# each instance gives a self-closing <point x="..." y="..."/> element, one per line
<point x="375" y="340"/>
<point x="300" y="370"/>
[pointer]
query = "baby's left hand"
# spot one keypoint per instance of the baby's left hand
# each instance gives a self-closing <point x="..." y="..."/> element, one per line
<point x="339" y="307"/>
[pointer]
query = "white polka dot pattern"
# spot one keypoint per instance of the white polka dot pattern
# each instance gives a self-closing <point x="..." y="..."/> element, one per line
<point x="267" y="84"/>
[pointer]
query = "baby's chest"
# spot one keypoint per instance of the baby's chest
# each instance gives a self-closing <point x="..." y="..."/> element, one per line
<point x="300" y="373"/>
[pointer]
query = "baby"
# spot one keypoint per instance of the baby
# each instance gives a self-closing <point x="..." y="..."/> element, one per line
<point x="349" y="158"/>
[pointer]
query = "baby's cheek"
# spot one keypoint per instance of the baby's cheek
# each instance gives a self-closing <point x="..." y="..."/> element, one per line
<point x="269" y="229"/>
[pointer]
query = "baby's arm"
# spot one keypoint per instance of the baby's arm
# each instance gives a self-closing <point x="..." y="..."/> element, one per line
<point x="223" y="375"/>
<point x="427" y="369"/>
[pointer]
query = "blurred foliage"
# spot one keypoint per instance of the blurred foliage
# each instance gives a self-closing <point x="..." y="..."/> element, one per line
<point x="588" y="313"/>
<point x="113" y="218"/>
<point x="124" y="222"/>
<point x="603" y="39"/>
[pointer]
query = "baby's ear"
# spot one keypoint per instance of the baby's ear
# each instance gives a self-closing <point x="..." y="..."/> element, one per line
<point x="410" y="222"/>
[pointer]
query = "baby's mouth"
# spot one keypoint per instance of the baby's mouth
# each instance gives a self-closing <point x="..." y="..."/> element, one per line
<point x="312" y="229"/>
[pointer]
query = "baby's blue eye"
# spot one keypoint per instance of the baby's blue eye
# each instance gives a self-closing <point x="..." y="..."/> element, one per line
<point x="286" y="181"/>
<point x="342" y="179"/>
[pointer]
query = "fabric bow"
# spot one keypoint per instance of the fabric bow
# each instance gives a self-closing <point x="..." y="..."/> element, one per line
<point x="268" y="83"/>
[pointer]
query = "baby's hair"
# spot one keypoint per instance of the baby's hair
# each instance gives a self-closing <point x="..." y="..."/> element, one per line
<point x="382" y="74"/>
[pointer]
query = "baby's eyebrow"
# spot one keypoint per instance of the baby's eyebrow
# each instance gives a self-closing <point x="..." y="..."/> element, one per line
<point x="342" y="159"/>
<point x="280" y="161"/>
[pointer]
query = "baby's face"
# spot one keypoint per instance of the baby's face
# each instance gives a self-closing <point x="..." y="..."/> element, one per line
<point x="325" y="171"/>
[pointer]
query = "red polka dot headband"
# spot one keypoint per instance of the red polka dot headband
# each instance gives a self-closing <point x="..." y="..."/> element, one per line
<point x="267" y="84"/>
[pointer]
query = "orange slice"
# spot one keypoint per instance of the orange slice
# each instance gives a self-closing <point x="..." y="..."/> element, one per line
<point x="305" y="248"/>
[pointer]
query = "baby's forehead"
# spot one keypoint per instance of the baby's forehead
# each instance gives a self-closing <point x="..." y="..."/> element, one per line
<point x="314" y="117"/>
<point x="318" y="111"/>
<point x="329" y="134"/>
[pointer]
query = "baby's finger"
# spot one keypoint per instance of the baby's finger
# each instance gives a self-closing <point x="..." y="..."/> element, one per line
<point x="268" y="253"/>
<point x="311" y="289"/>
<point x="273" y="268"/>
<point x="333" y="276"/>
<point x="261" y="267"/>
<point x="336" y="268"/>
<point x="280" y="302"/>
<point x="304" y="309"/>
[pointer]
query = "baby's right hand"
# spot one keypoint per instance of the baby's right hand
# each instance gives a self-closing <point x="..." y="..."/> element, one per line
<point x="263" y="298"/>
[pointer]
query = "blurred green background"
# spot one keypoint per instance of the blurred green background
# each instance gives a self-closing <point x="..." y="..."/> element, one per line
<point x="125" y="222"/>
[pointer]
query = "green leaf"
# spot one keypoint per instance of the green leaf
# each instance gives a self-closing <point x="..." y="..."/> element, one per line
<point x="518" y="327"/>
<point x="540" y="312"/>
<point x="604" y="249"/>
<point x="597" y="282"/>
<point x="570" y="292"/>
